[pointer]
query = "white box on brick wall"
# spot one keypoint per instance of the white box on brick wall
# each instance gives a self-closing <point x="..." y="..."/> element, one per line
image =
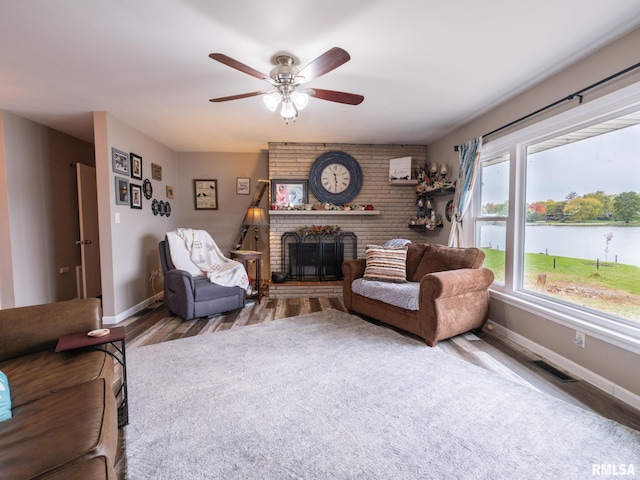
<point x="400" y="168"/>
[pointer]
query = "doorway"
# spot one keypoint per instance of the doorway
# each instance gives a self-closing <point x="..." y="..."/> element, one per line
<point x="89" y="284"/>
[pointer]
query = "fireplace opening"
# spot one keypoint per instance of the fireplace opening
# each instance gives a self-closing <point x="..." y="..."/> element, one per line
<point x="316" y="257"/>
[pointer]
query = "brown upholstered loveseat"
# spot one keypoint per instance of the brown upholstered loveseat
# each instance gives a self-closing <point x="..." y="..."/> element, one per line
<point x="446" y="294"/>
<point x="64" y="423"/>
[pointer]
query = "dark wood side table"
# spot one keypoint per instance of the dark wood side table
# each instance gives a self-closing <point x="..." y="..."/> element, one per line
<point x="247" y="257"/>
<point x="115" y="336"/>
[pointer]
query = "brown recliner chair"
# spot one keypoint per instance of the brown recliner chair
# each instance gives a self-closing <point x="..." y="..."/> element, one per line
<point x="194" y="297"/>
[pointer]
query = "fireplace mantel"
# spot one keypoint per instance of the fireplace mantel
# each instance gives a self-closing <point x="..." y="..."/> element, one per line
<point x="324" y="212"/>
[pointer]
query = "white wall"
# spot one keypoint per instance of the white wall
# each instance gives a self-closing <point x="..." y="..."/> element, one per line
<point x="604" y="360"/>
<point x="6" y="262"/>
<point x="222" y="224"/>
<point x="129" y="249"/>
<point x="25" y="214"/>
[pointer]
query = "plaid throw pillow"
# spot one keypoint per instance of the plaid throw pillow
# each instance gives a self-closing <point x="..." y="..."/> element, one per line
<point x="386" y="264"/>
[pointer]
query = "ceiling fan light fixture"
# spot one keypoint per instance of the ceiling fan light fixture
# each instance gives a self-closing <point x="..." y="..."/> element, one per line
<point x="272" y="100"/>
<point x="288" y="110"/>
<point x="300" y="99"/>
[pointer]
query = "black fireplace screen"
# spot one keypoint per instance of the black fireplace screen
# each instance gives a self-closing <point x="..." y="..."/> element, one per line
<point x="316" y="257"/>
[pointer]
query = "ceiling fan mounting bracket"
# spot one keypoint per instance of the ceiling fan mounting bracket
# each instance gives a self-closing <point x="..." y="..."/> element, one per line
<point x="284" y="60"/>
<point x="284" y="73"/>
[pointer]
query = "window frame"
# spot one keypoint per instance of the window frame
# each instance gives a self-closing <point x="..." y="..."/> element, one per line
<point x="620" y="333"/>
<point x="476" y="207"/>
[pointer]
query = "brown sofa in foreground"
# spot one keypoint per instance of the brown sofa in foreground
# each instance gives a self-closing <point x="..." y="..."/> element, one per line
<point x="64" y="423"/>
<point x="451" y="287"/>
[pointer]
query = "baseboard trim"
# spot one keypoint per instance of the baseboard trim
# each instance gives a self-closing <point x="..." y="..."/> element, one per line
<point x="131" y="311"/>
<point x="576" y="369"/>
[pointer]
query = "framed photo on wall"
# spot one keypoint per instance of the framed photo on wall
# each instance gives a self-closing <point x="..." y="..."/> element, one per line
<point x="156" y="171"/>
<point x="243" y="186"/>
<point x="136" y="195"/>
<point x="120" y="162"/>
<point x="136" y="166"/>
<point x="289" y="193"/>
<point x="122" y="191"/>
<point x="205" y="194"/>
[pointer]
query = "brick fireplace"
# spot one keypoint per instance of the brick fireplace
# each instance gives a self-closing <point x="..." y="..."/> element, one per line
<point x="393" y="205"/>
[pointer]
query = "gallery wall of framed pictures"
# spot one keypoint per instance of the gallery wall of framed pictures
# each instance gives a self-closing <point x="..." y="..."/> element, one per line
<point x="129" y="167"/>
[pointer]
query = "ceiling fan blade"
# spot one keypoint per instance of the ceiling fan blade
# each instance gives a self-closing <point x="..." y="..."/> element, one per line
<point x="222" y="58"/>
<point x="237" y="97"/>
<point x="340" y="97"/>
<point x="326" y="62"/>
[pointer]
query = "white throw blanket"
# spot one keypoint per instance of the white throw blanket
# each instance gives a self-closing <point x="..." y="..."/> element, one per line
<point x="203" y="253"/>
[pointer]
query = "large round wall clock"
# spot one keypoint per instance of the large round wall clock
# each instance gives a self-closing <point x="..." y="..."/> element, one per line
<point x="335" y="177"/>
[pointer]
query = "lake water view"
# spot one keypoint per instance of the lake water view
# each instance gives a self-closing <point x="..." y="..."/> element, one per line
<point x="576" y="241"/>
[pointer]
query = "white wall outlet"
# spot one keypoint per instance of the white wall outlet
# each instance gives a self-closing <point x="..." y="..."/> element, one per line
<point x="580" y="339"/>
<point x="155" y="274"/>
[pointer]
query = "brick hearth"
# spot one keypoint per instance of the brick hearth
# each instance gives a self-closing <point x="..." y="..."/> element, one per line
<point x="329" y="289"/>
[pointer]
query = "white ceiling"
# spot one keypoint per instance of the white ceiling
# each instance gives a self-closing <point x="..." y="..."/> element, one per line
<point x="423" y="66"/>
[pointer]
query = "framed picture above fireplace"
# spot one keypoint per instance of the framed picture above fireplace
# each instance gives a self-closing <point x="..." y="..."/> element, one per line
<point x="289" y="193"/>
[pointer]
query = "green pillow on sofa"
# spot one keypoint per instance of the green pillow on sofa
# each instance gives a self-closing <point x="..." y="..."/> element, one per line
<point x="5" y="398"/>
<point x="386" y="264"/>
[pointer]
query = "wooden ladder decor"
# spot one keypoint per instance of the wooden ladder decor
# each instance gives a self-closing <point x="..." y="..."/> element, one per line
<point x="255" y="202"/>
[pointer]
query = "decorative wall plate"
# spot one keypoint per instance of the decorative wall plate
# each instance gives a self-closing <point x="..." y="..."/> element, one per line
<point x="154" y="207"/>
<point x="448" y="210"/>
<point x="161" y="208"/>
<point x="147" y="188"/>
<point x="167" y="209"/>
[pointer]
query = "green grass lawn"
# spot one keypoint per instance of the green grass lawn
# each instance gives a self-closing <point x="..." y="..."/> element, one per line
<point x="494" y="260"/>
<point x="613" y="288"/>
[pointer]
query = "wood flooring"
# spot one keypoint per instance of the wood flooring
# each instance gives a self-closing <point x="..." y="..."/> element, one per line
<point x="487" y="350"/>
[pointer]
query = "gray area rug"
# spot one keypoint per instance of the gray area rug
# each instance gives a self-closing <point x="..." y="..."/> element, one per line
<point x="330" y="396"/>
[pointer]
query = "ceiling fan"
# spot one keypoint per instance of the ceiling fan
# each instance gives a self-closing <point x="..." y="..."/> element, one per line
<point x="287" y="81"/>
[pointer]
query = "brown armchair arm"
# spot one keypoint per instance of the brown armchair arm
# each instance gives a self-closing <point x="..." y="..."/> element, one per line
<point x="452" y="283"/>
<point x="454" y="302"/>
<point x="351" y="269"/>
<point x="34" y="328"/>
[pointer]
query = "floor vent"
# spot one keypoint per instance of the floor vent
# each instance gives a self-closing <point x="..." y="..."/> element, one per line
<point x="563" y="377"/>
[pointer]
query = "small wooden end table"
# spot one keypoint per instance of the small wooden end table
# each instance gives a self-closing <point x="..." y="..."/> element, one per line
<point x="116" y="335"/>
<point x="247" y="257"/>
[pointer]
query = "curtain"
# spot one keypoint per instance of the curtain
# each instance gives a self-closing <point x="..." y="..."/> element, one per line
<point x="469" y="156"/>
